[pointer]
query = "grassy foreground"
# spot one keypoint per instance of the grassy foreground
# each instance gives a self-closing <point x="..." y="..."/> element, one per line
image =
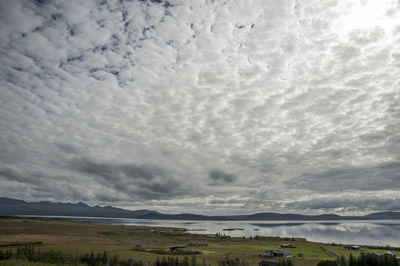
<point x="147" y="243"/>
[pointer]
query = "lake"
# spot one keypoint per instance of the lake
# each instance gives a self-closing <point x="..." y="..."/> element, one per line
<point x="364" y="232"/>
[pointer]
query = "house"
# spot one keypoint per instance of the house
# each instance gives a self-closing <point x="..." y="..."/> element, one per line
<point x="267" y="263"/>
<point x="277" y="253"/>
<point x="390" y="253"/>
<point x="197" y="244"/>
<point x="287" y="246"/>
<point x="355" y="248"/>
<point x="273" y="253"/>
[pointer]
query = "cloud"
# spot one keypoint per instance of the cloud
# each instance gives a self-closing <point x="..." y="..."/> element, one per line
<point x="251" y="106"/>
<point x="145" y="181"/>
<point x="354" y="203"/>
<point x="218" y="177"/>
<point x="381" y="177"/>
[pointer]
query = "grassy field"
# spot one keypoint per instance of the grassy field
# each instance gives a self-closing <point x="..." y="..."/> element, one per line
<point x="137" y="242"/>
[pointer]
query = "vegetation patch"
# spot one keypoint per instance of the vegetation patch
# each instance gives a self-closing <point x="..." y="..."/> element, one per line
<point x="108" y="233"/>
<point x="365" y="259"/>
<point x="20" y="244"/>
<point x="177" y="252"/>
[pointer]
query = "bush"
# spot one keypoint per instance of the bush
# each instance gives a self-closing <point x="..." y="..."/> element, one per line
<point x="365" y="259"/>
<point x="233" y="262"/>
<point x="285" y="263"/>
<point x="327" y="263"/>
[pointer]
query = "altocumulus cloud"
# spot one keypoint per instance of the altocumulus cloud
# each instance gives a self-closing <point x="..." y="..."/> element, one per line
<point x="137" y="103"/>
<point x="218" y="177"/>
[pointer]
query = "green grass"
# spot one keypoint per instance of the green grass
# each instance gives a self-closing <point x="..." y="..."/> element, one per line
<point x="24" y="263"/>
<point x="243" y="247"/>
<point x="339" y="251"/>
<point x="312" y="252"/>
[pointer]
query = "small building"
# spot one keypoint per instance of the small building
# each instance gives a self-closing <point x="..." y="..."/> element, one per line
<point x="273" y="253"/>
<point x="287" y="246"/>
<point x="390" y="253"/>
<point x="267" y="263"/>
<point x="351" y="247"/>
<point x="277" y="254"/>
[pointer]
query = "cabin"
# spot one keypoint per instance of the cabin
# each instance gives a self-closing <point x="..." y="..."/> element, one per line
<point x="354" y="248"/>
<point x="277" y="254"/>
<point x="267" y="263"/>
<point x="390" y="253"/>
<point x="287" y="246"/>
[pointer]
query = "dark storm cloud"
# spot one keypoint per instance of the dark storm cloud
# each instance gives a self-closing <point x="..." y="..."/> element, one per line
<point x="40" y="184"/>
<point x="12" y="174"/>
<point x="220" y="177"/>
<point x="147" y="181"/>
<point x="36" y="178"/>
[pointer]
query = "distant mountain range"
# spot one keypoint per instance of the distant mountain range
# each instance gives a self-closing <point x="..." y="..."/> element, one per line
<point x="9" y="207"/>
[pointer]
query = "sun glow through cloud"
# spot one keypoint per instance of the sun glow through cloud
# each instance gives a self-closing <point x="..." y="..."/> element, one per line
<point x="366" y="15"/>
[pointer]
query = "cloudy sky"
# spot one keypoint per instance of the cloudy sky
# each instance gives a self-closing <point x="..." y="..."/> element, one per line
<point x="202" y="106"/>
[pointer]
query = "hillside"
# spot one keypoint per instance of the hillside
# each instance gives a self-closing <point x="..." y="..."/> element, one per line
<point x="11" y="207"/>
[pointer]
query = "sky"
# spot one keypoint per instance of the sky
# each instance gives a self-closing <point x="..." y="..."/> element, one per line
<point x="202" y="106"/>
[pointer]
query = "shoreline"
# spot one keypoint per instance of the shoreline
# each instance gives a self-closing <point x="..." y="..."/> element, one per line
<point x="247" y="228"/>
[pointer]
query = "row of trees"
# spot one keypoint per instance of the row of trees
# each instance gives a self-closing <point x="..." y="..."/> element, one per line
<point x="365" y="259"/>
<point x="31" y="254"/>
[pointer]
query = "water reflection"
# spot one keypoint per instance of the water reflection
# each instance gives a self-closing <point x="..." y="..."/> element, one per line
<point x="345" y="232"/>
<point x="277" y="224"/>
<point x="373" y="232"/>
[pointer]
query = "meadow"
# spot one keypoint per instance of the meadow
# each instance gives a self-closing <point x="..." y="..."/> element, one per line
<point x="149" y="243"/>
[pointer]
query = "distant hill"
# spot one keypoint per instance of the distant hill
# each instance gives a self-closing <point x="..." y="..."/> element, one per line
<point x="10" y="207"/>
<point x="384" y="215"/>
<point x="19" y="207"/>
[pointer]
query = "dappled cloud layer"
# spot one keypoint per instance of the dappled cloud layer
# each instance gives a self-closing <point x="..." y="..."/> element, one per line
<point x="211" y="107"/>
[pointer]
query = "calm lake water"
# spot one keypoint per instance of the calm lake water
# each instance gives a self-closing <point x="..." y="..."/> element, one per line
<point x="368" y="232"/>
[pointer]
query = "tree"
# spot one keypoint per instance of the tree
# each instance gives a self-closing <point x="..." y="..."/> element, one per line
<point x="327" y="263"/>
<point x="352" y="261"/>
<point x="342" y="261"/>
<point x="193" y="261"/>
